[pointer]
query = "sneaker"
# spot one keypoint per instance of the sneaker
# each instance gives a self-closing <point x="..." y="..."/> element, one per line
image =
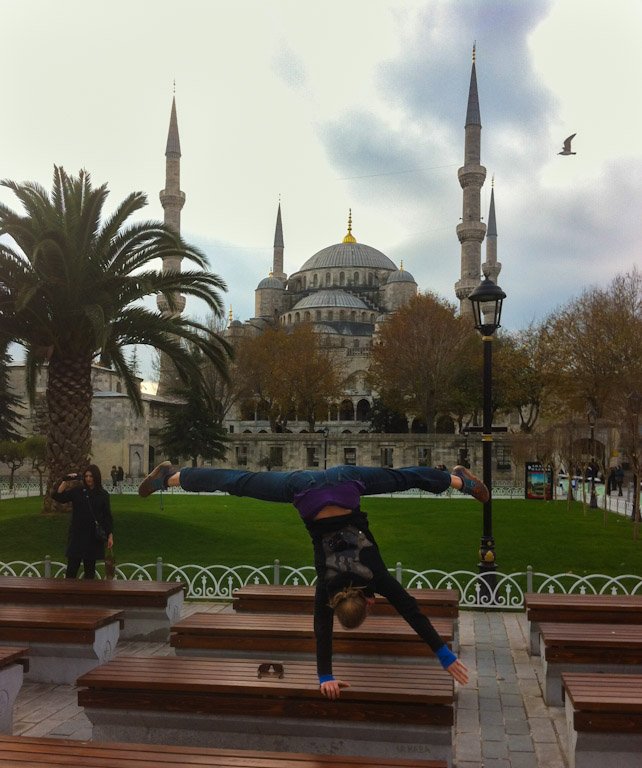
<point x="156" y="480"/>
<point x="473" y="486"/>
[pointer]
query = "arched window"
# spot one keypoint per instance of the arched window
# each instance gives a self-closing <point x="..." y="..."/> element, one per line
<point x="355" y="278"/>
<point x="342" y="314"/>
<point x="363" y="410"/>
<point x="305" y="282"/>
<point x="355" y="343"/>
<point x="346" y="411"/>
<point x="315" y="280"/>
<point x="330" y="315"/>
<point x="363" y="317"/>
<point x="289" y="319"/>
<point x="317" y="314"/>
<point x="342" y="278"/>
<point x="353" y="316"/>
<point x="370" y="278"/>
<point x="297" y="317"/>
<point x="328" y="278"/>
<point x="307" y="316"/>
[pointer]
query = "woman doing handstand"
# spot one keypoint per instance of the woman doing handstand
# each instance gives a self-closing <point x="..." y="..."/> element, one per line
<point x="349" y="567"/>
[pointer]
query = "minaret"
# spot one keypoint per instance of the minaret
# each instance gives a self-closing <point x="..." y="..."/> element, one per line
<point x="172" y="200"/>
<point x="277" y="260"/>
<point x="491" y="267"/>
<point x="472" y="229"/>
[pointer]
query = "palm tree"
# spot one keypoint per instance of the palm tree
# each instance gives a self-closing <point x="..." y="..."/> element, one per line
<point x="71" y="290"/>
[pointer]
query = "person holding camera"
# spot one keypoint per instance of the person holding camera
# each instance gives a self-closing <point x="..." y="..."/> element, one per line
<point x="91" y="524"/>
<point x="349" y="566"/>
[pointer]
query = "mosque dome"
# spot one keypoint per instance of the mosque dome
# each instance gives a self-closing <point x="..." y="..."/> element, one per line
<point x="349" y="254"/>
<point x="270" y="282"/>
<point x="330" y="298"/>
<point x="400" y="276"/>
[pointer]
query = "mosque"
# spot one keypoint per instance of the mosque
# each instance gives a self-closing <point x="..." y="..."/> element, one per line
<point x="346" y="290"/>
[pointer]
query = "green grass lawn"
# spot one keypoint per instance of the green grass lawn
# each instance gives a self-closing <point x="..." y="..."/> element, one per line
<point x="421" y="533"/>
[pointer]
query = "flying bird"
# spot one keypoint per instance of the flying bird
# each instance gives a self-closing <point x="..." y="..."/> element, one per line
<point x="566" y="149"/>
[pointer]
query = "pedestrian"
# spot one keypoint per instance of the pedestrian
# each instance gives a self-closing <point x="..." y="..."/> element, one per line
<point x="120" y="477"/>
<point x="349" y="567"/>
<point x="619" y="479"/>
<point x="114" y="477"/>
<point x="91" y="525"/>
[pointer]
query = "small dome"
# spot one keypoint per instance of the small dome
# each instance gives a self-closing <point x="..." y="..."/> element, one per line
<point x="270" y="282"/>
<point x="330" y="298"/>
<point x="236" y="324"/>
<point x="401" y="276"/>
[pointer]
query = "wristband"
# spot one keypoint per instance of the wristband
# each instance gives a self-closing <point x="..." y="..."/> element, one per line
<point x="325" y="679"/>
<point x="446" y="656"/>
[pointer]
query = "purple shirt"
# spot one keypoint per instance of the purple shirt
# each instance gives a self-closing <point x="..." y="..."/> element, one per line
<point x="313" y="500"/>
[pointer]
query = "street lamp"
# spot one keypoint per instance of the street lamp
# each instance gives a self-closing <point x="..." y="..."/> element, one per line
<point x="592" y="416"/>
<point x="487" y="300"/>
<point x="326" y="432"/>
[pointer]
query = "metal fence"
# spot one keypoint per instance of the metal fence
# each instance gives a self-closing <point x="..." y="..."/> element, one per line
<point x="218" y="582"/>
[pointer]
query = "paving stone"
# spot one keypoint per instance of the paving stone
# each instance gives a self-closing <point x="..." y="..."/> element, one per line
<point x="493" y="733"/>
<point x="523" y="760"/>
<point x="520" y="743"/>
<point x="494" y="749"/>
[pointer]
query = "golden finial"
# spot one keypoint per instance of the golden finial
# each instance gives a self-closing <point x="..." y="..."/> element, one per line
<point x="349" y="238"/>
<point x="174" y="86"/>
<point x="271" y="274"/>
<point x="230" y="317"/>
<point x="401" y="266"/>
<point x="492" y="182"/>
<point x="474" y="49"/>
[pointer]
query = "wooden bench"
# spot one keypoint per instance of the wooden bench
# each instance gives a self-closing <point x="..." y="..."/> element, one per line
<point x="391" y="711"/>
<point x="62" y="753"/>
<point x="587" y="648"/>
<point x="591" y="609"/>
<point x="290" y="636"/>
<point x="149" y="607"/>
<point x="14" y="663"/>
<point x="604" y="719"/>
<point x="270" y="598"/>
<point x="63" y="642"/>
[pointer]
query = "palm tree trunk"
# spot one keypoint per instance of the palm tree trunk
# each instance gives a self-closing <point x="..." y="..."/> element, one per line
<point x="69" y="395"/>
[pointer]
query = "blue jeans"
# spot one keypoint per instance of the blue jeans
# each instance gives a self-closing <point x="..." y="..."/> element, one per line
<point x="283" y="486"/>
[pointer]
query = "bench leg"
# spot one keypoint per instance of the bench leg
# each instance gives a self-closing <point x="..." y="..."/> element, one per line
<point x="65" y="662"/>
<point x="601" y="750"/>
<point x="10" y="684"/>
<point x="533" y="628"/>
<point x="283" y="734"/>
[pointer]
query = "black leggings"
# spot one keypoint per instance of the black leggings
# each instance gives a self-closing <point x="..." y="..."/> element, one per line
<point x="73" y="565"/>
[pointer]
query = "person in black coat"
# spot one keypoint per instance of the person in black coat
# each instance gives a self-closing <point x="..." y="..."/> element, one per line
<point x="91" y="525"/>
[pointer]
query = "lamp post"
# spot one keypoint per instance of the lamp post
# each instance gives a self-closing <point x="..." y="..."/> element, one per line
<point x="487" y="300"/>
<point x="326" y="432"/>
<point x="592" y="416"/>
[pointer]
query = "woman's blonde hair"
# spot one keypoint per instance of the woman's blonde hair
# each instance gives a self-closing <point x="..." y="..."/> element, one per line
<point x="349" y="606"/>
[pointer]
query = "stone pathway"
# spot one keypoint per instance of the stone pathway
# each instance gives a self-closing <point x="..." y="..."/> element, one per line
<point x="501" y="718"/>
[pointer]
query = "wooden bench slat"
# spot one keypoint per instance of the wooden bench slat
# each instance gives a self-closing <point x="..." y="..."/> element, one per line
<point x="289" y="633"/>
<point x="40" y="617"/>
<point x="278" y="598"/>
<point x="430" y="685"/>
<point x="118" y="593"/>
<point x="13" y="655"/>
<point x="620" y="635"/>
<point x="53" y="753"/>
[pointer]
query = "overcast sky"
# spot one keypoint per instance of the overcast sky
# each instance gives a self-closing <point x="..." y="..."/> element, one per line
<point x="346" y="104"/>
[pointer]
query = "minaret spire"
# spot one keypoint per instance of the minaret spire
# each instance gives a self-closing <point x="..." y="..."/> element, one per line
<point x="472" y="229"/>
<point x="172" y="199"/>
<point x="279" y="247"/>
<point x="491" y="266"/>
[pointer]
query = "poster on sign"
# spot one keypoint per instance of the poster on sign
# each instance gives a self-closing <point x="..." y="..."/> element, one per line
<point x="538" y="481"/>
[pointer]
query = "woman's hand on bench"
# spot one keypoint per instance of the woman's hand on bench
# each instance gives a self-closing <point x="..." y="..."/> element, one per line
<point x="459" y="671"/>
<point x="331" y="689"/>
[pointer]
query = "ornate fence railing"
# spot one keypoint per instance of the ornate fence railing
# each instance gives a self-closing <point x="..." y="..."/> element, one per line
<point x="218" y="582"/>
